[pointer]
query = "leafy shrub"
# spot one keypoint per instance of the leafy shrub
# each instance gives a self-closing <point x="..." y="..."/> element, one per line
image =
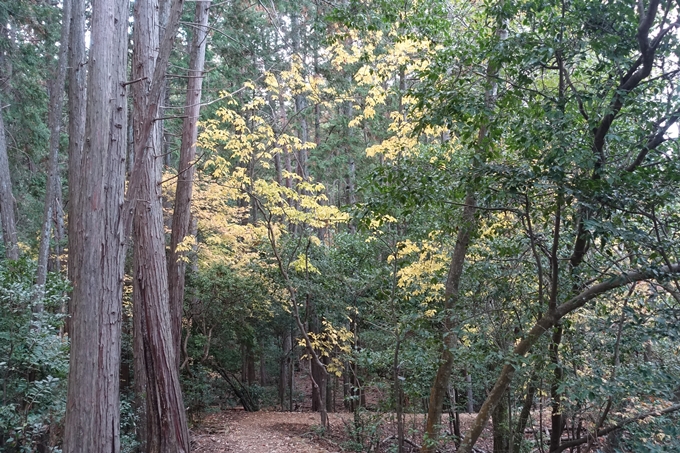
<point x="33" y="360"/>
<point x="364" y="431"/>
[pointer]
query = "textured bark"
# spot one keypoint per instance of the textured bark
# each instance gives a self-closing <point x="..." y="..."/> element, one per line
<point x="92" y="409"/>
<point x="181" y="218"/>
<point x="77" y="106"/>
<point x="7" y="217"/>
<point x="144" y="170"/>
<point x="54" y="123"/>
<point x="156" y="354"/>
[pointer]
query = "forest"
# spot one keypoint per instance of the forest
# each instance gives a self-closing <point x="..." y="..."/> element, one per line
<point x="446" y="220"/>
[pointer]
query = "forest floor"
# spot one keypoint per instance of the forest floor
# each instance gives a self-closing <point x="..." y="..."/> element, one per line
<point x="237" y="431"/>
<point x="272" y="431"/>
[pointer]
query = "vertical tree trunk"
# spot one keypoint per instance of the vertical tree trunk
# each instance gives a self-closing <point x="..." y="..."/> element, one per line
<point x="351" y="190"/>
<point x="263" y="368"/>
<point x="7" y="217"/>
<point x="77" y="106"/>
<point x="157" y="355"/>
<point x="59" y="226"/>
<point x="300" y="99"/>
<point x="398" y="396"/>
<point x="441" y="382"/>
<point x="181" y="217"/>
<point x="465" y="231"/>
<point x="470" y="394"/>
<point x="556" y="416"/>
<point x="501" y="427"/>
<point x="92" y="409"/>
<point x="54" y="123"/>
<point x="317" y="375"/>
<point x="524" y="416"/>
<point x="145" y="39"/>
<point x="284" y="374"/>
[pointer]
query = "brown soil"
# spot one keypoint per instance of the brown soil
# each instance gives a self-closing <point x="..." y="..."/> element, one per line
<point x="236" y="431"/>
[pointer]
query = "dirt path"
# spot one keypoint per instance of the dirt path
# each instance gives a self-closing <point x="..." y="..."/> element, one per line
<point x="237" y="431"/>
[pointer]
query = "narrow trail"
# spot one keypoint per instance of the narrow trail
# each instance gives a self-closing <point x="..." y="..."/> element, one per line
<point x="237" y="431"/>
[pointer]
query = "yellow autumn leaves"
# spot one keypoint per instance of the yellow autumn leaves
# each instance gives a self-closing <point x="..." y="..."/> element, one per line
<point x="248" y="141"/>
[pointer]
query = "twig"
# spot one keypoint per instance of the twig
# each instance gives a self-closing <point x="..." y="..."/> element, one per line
<point x="124" y="84"/>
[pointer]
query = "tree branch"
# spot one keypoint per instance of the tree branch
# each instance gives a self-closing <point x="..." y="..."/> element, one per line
<point x="610" y="429"/>
<point x="547" y="321"/>
<point x="654" y="141"/>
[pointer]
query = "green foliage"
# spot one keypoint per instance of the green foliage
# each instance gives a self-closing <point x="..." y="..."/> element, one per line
<point x="364" y="431"/>
<point x="33" y="360"/>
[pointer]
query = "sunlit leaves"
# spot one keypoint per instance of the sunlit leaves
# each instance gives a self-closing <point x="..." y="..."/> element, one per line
<point x="330" y="341"/>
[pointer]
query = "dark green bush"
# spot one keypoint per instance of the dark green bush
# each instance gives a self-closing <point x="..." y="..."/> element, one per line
<point x="33" y="360"/>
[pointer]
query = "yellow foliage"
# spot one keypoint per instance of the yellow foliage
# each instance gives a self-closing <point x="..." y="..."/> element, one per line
<point x="419" y="277"/>
<point x="184" y="247"/>
<point x="302" y="264"/>
<point x="388" y="57"/>
<point x="327" y="341"/>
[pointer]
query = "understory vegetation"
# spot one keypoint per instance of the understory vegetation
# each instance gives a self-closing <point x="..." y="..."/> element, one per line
<point x="403" y="210"/>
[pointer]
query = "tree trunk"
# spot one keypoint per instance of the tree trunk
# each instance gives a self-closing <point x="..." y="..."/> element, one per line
<point x="7" y="217"/>
<point x="398" y="396"/>
<point x="470" y="395"/>
<point x="93" y="406"/>
<point x="181" y="217"/>
<point x="263" y="368"/>
<point x="441" y="382"/>
<point x="250" y="365"/>
<point x="77" y="106"/>
<point x="465" y="231"/>
<point x="524" y="416"/>
<point x="59" y="227"/>
<point x="156" y="356"/>
<point x="317" y="375"/>
<point x="54" y="123"/>
<point x="556" y="416"/>
<point x="501" y="427"/>
<point x="284" y="374"/>
<point x="300" y="99"/>
<point x="547" y="321"/>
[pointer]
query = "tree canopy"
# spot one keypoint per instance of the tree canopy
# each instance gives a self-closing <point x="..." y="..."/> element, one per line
<point x="380" y="207"/>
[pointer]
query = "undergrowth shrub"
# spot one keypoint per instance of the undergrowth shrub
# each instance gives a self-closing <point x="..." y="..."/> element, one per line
<point x="33" y="360"/>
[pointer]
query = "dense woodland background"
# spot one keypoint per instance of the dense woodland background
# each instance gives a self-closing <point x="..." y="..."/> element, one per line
<point x="418" y="206"/>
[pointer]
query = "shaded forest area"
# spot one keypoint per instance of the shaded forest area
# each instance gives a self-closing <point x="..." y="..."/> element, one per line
<point x="400" y="210"/>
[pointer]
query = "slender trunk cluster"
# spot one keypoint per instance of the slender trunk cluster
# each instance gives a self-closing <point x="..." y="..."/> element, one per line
<point x="7" y="217"/>
<point x="96" y="263"/>
<point x="54" y="123"/>
<point x="181" y="218"/>
<point x="156" y="349"/>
